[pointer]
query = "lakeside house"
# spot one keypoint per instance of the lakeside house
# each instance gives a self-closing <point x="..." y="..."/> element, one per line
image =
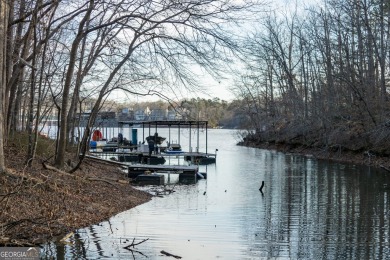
<point x="142" y="114"/>
<point x="158" y="114"/>
<point x="111" y="118"/>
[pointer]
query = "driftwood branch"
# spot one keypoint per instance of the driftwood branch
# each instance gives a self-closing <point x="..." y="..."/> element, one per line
<point x="132" y="245"/>
<point x="103" y="180"/>
<point x="9" y="193"/>
<point x="169" y="254"/>
<point x="5" y="240"/>
<point x="128" y="247"/>
<point x="10" y="225"/>
<point x="385" y="168"/>
<point x="66" y="237"/>
<point x="14" y="242"/>
<point x="47" y="159"/>
<point x="48" y="167"/>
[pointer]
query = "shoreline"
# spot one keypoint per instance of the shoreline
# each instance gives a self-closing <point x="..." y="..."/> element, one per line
<point x="42" y="205"/>
<point x="334" y="155"/>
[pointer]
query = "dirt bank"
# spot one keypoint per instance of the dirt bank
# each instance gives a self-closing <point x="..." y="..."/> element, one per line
<point x="337" y="154"/>
<point x="39" y="204"/>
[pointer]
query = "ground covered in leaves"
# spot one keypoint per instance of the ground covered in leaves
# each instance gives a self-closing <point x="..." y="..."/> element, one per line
<point x="39" y="204"/>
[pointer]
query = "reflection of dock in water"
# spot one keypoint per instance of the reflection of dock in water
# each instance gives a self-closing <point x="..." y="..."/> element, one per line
<point x="149" y="174"/>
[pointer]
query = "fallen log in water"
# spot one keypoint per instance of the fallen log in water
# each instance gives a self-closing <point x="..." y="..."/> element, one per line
<point x="169" y="254"/>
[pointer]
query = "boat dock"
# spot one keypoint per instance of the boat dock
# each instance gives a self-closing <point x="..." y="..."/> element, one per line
<point x="145" y="163"/>
<point x="148" y="125"/>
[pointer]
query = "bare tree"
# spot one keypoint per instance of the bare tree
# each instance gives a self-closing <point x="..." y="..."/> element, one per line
<point x="77" y="49"/>
<point x="329" y="65"/>
<point x="156" y="43"/>
<point x="4" y="11"/>
<point x="37" y="81"/>
<point x="63" y="122"/>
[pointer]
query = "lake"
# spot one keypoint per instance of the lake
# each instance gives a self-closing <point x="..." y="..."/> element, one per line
<point x="309" y="209"/>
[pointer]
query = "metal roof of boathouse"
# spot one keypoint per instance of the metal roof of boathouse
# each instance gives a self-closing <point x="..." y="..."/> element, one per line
<point x="165" y="122"/>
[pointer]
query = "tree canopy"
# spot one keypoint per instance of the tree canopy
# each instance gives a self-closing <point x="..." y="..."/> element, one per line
<point x="57" y="54"/>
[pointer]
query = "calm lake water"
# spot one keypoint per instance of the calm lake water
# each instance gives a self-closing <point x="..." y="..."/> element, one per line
<point x="309" y="209"/>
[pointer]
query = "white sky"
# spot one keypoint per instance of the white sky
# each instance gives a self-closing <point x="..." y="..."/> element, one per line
<point x="217" y="88"/>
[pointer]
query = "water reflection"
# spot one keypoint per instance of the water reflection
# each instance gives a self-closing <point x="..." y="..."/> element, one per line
<point x="309" y="209"/>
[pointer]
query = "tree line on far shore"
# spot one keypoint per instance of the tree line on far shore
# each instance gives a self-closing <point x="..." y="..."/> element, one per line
<point x="219" y="113"/>
<point x="320" y="78"/>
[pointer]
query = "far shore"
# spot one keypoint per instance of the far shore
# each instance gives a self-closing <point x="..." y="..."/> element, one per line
<point x="336" y="155"/>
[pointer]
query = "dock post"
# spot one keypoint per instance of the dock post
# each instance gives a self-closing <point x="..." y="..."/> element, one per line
<point x="189" y="145"/>
<point x="179" y="133"/>
<point x="197" y="141"/>
<point x="206" y="136"/>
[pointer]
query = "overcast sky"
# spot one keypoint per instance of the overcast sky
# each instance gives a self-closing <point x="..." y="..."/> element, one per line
<point x="217" y="87"/>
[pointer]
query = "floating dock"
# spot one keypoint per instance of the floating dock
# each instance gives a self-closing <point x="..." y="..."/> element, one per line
<point x="187" y="174"/>
<point x="147" y="174"/>
<point x="196" y="158"/>
<point x="148" y="168"/>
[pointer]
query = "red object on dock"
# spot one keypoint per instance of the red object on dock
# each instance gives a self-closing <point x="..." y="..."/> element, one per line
<point x="97" y="135"/>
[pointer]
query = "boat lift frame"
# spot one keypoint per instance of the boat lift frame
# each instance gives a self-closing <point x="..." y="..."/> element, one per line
<point x="169" y="123"/>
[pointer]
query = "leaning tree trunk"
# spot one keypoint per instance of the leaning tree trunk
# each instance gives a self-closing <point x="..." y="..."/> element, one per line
<point x="62" y="139"/>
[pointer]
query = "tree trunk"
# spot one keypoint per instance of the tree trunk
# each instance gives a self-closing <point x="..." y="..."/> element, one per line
<point x="16" y="72"/>
<point x="76" y="95"/>
<point x="382" y="62"/>
<point x="3" y="46"/>
<point x="62" y="138"/>
<point x="31" y="127"/>
<point x="9" y="53"/>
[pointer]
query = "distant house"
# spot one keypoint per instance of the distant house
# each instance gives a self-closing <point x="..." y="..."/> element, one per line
<point x="106" y="115"/>
<point x="173" y="115"/>
<point x="141" y="114"/>
<point x="158" y="114"/>
<point x="126" y="114"/>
